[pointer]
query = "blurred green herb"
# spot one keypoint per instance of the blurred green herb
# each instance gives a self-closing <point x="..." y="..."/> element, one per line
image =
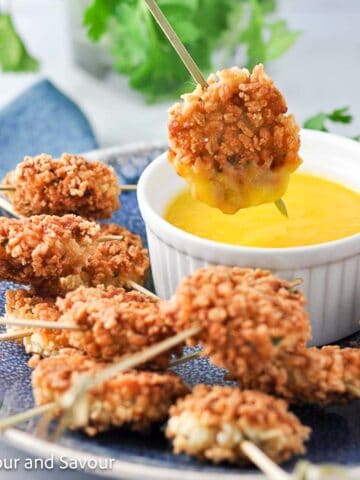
<point x="141" y="51"/>
<point x="14" y="56"/>
<point x="321" y="120"/>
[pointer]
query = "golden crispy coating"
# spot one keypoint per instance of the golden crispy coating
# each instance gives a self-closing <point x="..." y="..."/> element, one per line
<point x="232" y="140"/>
<point x="114" y="262"/>
<point x="25" y="305"/>
<point x="111" y="263"/>
<point x="247" y="316"/>
<point x="115" y="322"/>
<point x="211" y="423"/>
<point x="44" y="247"/>
<point x="135" y="399"/>
<point x="70" y="184"/>
<point x="326" y="375"/>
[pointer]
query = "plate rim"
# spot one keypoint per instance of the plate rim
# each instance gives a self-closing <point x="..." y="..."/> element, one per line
<point x="121" y="469"/>
<point x="125" y="470"/>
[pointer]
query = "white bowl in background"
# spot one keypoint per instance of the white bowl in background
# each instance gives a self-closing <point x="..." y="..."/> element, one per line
<point x="331" y="271"/>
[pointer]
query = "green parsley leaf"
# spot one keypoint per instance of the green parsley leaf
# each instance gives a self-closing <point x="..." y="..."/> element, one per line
<point x="97" y="16"/>
<point x="318" y="122"/>
<point x="268" y="6"/>
<point x="265" y="41"/>
<point x="141" y="51"/>
<point x="341" y="115"/>
<point x="13" y="54"/>
<point x="253" y="36"/>
<point x="281" y="39"/>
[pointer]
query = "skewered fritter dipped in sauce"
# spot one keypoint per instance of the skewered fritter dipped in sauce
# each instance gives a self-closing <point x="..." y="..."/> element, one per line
<point x="44" y="247"/>
<point x="69" y="184"/>
<point x="133" y="399"/>
<point x="246" y="316"/>
<point x="232" y="140"/>
<point x="212" y="422"/>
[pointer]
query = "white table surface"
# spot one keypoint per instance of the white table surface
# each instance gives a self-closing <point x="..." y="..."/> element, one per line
<point x="321" y="72"/>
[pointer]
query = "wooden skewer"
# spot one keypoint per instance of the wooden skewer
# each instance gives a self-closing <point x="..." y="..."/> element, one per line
<point x="296" y="282"/>
<point x="109" y="238"/>
<point x="135" y="286"/>
<point x="263" y="462"/>
<point x="6" y="205"/>
<point x="175" y="41"/>
<point x="15" y="335"/>
<point x="281" y="206"/>
<point x="23" y="416"/>
<point x="185" y="359"/>
<point x="128" y="187"/>
<point x="39" y="324"/>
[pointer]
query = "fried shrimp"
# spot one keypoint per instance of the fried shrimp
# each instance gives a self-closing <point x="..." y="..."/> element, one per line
<point x="70" y="184"/>
<point x="25" y="305"/>
<point x="44" y="247"/>
<point x="212" y="422"/>
<point x="114" y="322"/>
<point x="115" y="262"/>
<point x="232" y="140"/>
<point x="246" y="316"/>
<point x="112" y="262"/>
<point x="133" y="399"/>
<point x="326" y="375"/>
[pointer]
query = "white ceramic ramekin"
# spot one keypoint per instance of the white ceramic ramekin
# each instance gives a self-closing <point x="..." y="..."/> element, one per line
<point x="331" y="271"/>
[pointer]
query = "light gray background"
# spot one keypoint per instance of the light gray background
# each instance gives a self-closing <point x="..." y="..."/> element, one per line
<point x="321" y="72"/>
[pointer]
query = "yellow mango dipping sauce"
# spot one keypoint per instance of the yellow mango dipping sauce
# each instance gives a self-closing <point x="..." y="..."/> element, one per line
<point x="319" y="210"/>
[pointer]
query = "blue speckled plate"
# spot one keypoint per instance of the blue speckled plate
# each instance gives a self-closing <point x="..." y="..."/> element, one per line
<point x="336" y="430"/>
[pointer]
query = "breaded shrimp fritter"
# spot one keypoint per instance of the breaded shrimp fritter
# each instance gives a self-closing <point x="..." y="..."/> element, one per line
<point x="44" y="247"/>
<point x="327" y="375"/>
<point x="114" y="322"/>
<point x="112" y="262"/>
<point x="25" y="305"/>
<point x="212" y="422"/>
<point x="233" y="142"/>
<point x="134" y="399"/>
<point x="246" y="316"/>
<point x="70" y="184"/>
<point x="115" y="261"/>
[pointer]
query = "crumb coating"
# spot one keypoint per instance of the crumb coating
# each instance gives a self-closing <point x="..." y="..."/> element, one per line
<point x="232" y="140"/>
<point x="115" y="261"/>
<point x="115" y="322"/>
<point x="133" y="399"/>
<point x="246" y="316"/>
<point x="211" y="423"/>
<point x="26" y="305"/>
<point x="44" y="247"/>
<point x="327" y="375"/>
<point x="70" y="184"/>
